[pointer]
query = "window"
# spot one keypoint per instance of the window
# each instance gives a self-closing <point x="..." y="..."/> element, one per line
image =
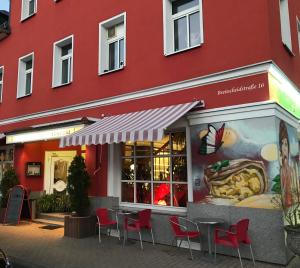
<point x="112" y="34"/>
<point x="285" y="24"/>
<point x="155" y="173"/>
<point x="28" y="8"/>
<point x="183" y="26"/>
<point x="25" y="75"/>
<point x="298" y="29"/>
<point x="1" y="81"/>
<point x="63" y="62"/>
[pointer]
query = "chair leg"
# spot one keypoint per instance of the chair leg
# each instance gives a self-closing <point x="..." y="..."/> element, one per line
<point x="152" y="236"/>
<point x="117" y="220"/>
<point x="252" y="254"/>
<point x="238" y="250"/>
<point x="215" y="252"/>
<point x="141" y="240"/>
<point x="124" y="237"/>
<point x="190" y="248"/>
<point x="174" y="239"/>
<point x="99" y="234"/>
<point x="180" y="243"/>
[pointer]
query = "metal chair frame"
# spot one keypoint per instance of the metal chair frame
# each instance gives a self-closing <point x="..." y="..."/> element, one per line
<point x="184" y="228"/>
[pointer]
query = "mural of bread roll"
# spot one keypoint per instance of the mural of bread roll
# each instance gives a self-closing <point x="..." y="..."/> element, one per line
<point x="236" y="179"/>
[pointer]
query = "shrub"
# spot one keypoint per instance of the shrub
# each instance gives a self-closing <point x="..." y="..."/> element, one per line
<point x="54" y="203"/>
<point x="77" y="187"/>
<point x="8" y="181"/>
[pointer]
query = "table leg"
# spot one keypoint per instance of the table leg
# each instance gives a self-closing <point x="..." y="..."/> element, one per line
<point x="208" y="239"/>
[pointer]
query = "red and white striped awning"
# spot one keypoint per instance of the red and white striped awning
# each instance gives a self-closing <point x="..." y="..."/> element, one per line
<point x="147" y="125"/>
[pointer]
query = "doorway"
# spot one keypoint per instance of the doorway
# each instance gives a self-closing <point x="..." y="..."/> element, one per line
<point x="57" y="164"/>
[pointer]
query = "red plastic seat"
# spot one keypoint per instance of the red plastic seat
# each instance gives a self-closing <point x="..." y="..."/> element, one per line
<point x="236" y="235"/>
<point x="181" y="231"/>
<point x="104" y="221"/>
<point x="135" y="225"/>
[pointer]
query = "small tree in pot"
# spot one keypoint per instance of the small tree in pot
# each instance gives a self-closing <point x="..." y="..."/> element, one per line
<point x="291" y="213"/>
<point x="77" y="186"/>
<point x="9" y="180"/>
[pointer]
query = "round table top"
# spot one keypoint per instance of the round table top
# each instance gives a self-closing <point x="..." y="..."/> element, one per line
<point x="208" y="220"/>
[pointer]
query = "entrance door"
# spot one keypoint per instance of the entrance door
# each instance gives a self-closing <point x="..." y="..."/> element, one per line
<point x="56" y="170"/>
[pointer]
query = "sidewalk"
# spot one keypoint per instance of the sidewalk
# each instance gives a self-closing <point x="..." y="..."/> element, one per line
<point x="33" y="247"/>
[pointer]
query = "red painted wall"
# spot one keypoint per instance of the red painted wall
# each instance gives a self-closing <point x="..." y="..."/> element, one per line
<point x="34" y="152"/>
<point x="236" y="33"/>
<point x="211" y="94"/>
<point x="290" y="64"/>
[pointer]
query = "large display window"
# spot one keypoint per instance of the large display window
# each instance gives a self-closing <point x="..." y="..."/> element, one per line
<point x="155" y="173"/>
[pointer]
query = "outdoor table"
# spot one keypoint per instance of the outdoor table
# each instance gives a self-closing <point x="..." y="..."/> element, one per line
<point x="122" y="213"/>
<point x="209" y="222"/>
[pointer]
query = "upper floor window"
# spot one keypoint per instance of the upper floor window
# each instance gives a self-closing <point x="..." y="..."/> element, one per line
<point x="63" y="62"/>
<point x="155" y="173"/>
<point x="285" y="24"/>
<point x="112" y="34"/>
<point x="29" y="8"/>
<point x="183" y="25"/>
<point x="298" y="29"/>
<point x="1" y="81"/>
<point x="25" y="76"/>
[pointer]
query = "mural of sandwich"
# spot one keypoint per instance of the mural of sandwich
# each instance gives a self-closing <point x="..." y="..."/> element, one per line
<point x="236" y="179"/>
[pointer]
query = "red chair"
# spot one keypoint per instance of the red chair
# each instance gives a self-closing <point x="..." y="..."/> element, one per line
<point x="135" y="225"/>
<point x="236" y="235"/>
<point x="104" y="221"/>
<point x="181" y="231"/>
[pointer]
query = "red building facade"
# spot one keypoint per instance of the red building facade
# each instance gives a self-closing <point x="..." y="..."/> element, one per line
<point x="67" y="64"/>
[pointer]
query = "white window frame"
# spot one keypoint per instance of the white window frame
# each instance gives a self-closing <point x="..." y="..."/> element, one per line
<point x="1" y="82"/>
<point x="25" y="9"/>
<point x="168" y="26"/>
<point x="285" y="24"/>
<point x="103" y="61"/>
<point x="22" y="72"/>
<point x="171" y="182"/>
<point x="58" y="59"/>
<point x="298" y="31"/>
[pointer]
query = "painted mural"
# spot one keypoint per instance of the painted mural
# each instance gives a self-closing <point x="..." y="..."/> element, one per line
<point x="239" y="162"/>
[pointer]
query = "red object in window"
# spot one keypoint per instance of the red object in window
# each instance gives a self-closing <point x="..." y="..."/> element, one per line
<point x="104" y="220"/>
<point x="161" y="192"/>
<point x="135" y="225"/>
<point x="237" y="234"/>
<point x="181" y="231"/>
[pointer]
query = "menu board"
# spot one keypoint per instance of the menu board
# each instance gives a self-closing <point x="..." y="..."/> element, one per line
<point x="14" y="205"/>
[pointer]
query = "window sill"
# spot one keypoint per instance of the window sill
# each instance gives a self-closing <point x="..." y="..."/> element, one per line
<point x="155" y="209"/>
<point x="25" y="96"/>
<point x="182" y="50"/>
<point x="28" y="17"/>
<point x="111" y="71"/>
<point x="288" y="49"/>
<point x="62" y="85"/>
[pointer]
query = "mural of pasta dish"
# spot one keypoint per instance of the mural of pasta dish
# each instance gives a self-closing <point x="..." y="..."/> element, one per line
<point x="236" y="179"/>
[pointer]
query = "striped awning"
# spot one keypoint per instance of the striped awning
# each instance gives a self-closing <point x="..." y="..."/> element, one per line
<point x="147" y="125"/>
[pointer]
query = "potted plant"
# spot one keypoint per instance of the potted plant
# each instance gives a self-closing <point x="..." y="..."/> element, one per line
<point x="9" y="180"/>
<point x="79" y="224"/>
<point x="291" y="212"/>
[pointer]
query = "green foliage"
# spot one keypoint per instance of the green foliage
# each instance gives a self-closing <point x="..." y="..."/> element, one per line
<point x="9" y="180"/>
<point x="54" y="203"/>
<point x="276" y="188"/>
<point x="292" y="212"/>
<point x="77" y="187"/>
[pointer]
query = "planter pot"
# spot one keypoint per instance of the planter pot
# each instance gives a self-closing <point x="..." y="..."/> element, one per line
<point x="293" y="239"/>
<point x="79" y="227"/>
<point x="2" y="214"/>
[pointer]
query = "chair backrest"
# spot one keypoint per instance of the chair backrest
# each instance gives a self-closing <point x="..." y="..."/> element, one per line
<point x="102" y="215"/>
<point x="145" y="218"/>
<point x="174" y="221"/>
<point x="242" y="230"/>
